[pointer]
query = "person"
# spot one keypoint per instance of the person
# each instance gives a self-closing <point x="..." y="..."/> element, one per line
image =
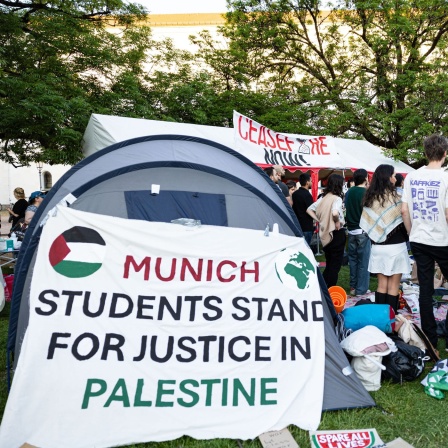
<point x="328" y="211"/>
<point x="36" y="197"/>
<point x="292" y="186"/>
<point x="399" y="183"/>
<point x="301" y="200"/>
<point x="381" y="220"/>
<point x="425" y="215"/>
<point x="18" y="210"/>
<point x="270" y="171"/>
<point x="358" y="241"/>
<point x="275" y="176"/>
<point x="349" y="184"/>
<point x="280" y="173"/>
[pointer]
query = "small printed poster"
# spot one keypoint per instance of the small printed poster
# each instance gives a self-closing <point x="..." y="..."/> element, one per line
<point x="347" y="438"/>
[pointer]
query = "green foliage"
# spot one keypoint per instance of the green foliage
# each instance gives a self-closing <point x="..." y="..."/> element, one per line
<point x="62" y="61"/>
<point x="371" y="69"/>
<point x="59" y="62"/>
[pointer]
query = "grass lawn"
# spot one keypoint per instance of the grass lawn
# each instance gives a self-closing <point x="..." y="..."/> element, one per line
<point x="402" y="410"/>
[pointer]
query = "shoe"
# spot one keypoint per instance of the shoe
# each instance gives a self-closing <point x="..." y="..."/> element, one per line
<point x="360" y="295"/>
<point x="352" y="291"/>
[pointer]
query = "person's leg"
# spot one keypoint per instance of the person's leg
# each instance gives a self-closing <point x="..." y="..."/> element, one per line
<point x="393" y="297"/>
<point x="425" y="273"/>
<point x="308" y="236"/>
<point x="380" y="298"/>
<point x="393" y="301"/>
<point x="335" y="251"/>
<point x="382" y="283"/>
<point x="363" y="255"/>
<point x="393" y="284"/>
<point x="328" y="251"/>
<point x="352" y="260"/>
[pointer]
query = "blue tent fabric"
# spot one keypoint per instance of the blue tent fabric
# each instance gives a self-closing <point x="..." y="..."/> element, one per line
<point x="167" y="206"/>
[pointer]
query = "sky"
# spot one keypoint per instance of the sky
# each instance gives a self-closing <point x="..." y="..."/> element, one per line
<point x="183" y="6"/>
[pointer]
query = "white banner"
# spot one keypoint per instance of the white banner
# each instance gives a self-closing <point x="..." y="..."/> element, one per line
<point x="265" y="147"/>
<point x="143" y="331"/>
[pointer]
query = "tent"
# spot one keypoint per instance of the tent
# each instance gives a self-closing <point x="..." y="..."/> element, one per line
<point x="198" y="178"/>
<point x="253" y="140"/>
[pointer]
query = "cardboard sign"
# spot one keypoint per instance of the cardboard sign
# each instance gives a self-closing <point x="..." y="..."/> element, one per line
<point x="353" y="438"/>
<point x="398" y="443"/>
<point x="278" y="439"/>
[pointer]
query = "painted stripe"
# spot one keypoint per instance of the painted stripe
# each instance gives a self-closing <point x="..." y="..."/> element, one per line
<point x="58" y="250"/>
<point x="85" y="253"/>
<point x="73" y="269"/>
<point x="80" y="234"/>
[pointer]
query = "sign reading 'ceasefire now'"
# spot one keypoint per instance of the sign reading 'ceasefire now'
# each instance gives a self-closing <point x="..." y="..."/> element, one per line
<point x="266" y="147"/>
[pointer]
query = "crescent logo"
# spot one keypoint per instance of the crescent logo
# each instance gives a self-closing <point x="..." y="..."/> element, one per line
<point x="78" y="252"/>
